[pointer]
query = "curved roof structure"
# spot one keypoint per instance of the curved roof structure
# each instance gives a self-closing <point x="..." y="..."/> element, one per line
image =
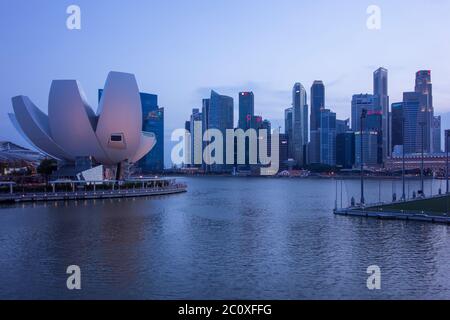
<point x="73" y="130"/>
<point x="67" y="104"/>
<point x="120" y="115"/>
<point x="35" y="125"/>
<point x="147" y="142"/>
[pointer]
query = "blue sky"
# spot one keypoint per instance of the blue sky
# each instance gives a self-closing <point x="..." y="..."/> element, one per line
<point x="182" y="49"/>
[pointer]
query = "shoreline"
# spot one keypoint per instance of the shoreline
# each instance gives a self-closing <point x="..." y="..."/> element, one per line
<point x="312" y="177"/>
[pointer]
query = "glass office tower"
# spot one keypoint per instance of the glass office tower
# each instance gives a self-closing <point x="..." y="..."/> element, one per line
<point x="153" y="121"/>
<point x="300" y="124"/>
<point x="317" y="104"/>
<point x="328" y="137"/>
<point x="380" y="92"/>
<point x="397" y="124"/>
<point x="220" y="116"/>
<point x="246" y="109"/>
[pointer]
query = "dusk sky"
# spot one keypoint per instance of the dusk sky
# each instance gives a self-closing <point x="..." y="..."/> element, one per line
<point x="180" y="50"/>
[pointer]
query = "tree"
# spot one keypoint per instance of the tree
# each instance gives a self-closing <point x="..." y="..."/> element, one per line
<point x="46" y="168"/>
<point x="3" y="166"/>
<point x="321" y="168"/>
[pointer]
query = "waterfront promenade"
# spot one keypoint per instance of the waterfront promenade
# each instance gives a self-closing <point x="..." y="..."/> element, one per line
<point x="432" y="209"/>
<point x="105" y="190"/>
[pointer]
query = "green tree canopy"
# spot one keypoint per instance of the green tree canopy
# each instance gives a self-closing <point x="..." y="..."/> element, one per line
<point x="47" y="167"/>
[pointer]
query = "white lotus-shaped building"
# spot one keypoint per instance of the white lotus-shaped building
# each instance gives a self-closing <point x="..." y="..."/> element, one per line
<point x="72" y="130"/>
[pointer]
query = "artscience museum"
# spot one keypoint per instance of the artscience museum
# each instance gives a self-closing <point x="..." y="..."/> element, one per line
<point x="81" y="139"/>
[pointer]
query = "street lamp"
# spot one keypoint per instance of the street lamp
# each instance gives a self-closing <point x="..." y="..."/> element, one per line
<point x="422" y="126"/>
<point x="447" y="133"/>
<point x="403" y="160"/>
<point x="361" y="157"/>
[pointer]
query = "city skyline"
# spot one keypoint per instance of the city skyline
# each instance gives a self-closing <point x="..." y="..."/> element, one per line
<point x="268" y="71"/>
<point x="225" y="158"/>
<point x="372" y="134"/>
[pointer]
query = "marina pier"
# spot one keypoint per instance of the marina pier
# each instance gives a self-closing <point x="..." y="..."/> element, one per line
<point x="432" y="209"/>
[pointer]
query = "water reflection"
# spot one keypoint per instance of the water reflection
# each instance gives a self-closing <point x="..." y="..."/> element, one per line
<point x="226" y="238"/>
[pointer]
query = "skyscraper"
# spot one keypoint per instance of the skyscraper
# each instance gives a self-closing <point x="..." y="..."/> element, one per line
<point x="424" y="87"/>
<point x="345" y="149"/>
<point x="299" y="140"/>
<point x="283" y="151"/>
<point x="380" y="92"/>
<point x="436" y="127"/>
<point x="187" y="126"/>
<point x="153" y="121"/>
<point x="419" y="115"/>
<point x="342" y="126"/>
<point x="266" y="125"/>
<point x="205" y="124"/>
<point x="256" y="122"/>
<point x="220" y="117"/>
<point x="370" y="150"/>
<point x="374" y="123"/>
<point x="288" y="129"/>
<point x="305" y="134"/>
<point x="248" y="120"/>
<point x="327" y="137"/>
<point x="397" y="124"/>
<point x="205" y="114"/>
<point x="360" y="102"/>
<point x="246" y="109"/>
<point x="317" y="104"/>
<point x="414" y="116"/>
<point x="187" y="144"/>
<point x="196" y="142"/>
